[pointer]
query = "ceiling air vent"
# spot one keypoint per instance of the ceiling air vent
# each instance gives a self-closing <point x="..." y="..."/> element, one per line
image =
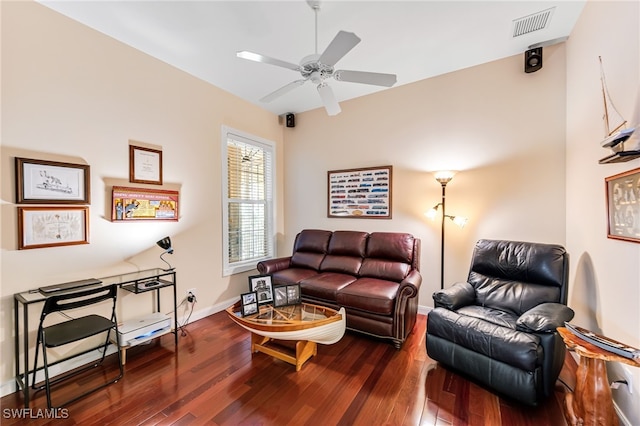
<point x="530" y="23"/>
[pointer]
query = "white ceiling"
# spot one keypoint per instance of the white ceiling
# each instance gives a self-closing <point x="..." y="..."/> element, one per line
<point x="413" y="39"/>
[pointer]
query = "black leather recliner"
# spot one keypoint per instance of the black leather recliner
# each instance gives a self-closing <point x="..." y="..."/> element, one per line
<point x="499" y="327"/>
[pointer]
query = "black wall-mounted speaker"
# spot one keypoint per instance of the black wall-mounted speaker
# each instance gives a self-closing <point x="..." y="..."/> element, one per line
<point x="533" y="59"/>
<point x="290" y="120"/>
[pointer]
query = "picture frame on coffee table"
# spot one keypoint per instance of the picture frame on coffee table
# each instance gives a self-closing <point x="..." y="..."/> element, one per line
<point x="262" y="285"/>
<point x="284" y="295"/>
<point x="249" y="302"/>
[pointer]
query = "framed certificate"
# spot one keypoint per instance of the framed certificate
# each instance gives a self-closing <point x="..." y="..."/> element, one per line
<point x="145" y="165"/>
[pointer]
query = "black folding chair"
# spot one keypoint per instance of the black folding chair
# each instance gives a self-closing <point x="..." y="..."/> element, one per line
<point x="74" y="330"/>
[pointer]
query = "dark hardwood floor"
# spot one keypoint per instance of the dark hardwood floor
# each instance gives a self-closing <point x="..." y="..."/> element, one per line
<point x="213" y="379"/>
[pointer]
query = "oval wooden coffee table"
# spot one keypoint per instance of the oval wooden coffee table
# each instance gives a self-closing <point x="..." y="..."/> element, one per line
<point x="305" y="324"/>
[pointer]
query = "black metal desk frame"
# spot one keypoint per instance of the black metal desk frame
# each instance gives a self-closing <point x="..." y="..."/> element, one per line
<point x="132" y="282"/>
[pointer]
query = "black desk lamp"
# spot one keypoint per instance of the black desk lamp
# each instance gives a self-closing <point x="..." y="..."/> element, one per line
<point x="165" y="244"/>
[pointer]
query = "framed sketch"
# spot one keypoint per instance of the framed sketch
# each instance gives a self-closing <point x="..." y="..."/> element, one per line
<point x="145" y="165"/>
<point x="40" y="227"/>
<point x="360" y="193"/>
<point x="249" y="302"/>
<point x="263" y="287"/>
<point x="51" y="182"/>
<point x="623" y="206"/>
<point x="286" y="295"/>
<point x="131" y="204"/>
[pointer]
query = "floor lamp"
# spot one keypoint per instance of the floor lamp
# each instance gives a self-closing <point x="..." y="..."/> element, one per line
<point x="444" y="177"/>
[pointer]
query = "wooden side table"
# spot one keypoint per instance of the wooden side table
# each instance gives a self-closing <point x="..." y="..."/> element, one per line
<point x="591" y="403"/>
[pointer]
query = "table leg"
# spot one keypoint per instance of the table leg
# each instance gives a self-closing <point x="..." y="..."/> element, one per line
<point x="591" y="402"/>
<point x="304" y="350"/>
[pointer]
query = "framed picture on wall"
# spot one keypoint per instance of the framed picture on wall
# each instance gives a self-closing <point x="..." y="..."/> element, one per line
<point x="360" y="193"/>
<point x="623" y="206"/>
<point x="40" y="227"/>
<point x="145" y="165"/>
<point x="51" y="182"/>
<point x="133" y="204"/>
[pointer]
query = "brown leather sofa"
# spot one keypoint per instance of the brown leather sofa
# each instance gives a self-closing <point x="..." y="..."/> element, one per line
<point x="375" y="277"/>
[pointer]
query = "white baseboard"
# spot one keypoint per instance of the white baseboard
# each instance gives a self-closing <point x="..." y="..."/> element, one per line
<point x="424" y="310"/>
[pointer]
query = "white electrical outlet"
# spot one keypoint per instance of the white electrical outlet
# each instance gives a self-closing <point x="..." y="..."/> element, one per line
<point x="192" y="291"/>
<point x="628" y="377"/>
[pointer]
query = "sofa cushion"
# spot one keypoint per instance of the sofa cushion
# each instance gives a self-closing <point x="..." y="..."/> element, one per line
<point x="348" y="243"/>
<point x="389" y="256"/>
<point x="309" y="248"/>
<point x="508" y="295"/>
<point x="518" y="349"/>
<point x="307" y="260"/>
<point x="291" y="275"/>
<point x="313" y="240"/>
<point x="380" y="268"/>
<point x="494" y="316"/>
<point x="391" y="246"/>
<point x="325" y="285"/>
<point x="370" y="294"/>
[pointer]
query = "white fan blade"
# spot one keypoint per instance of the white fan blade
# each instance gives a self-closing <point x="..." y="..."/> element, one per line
<point x="328" y="99"/>
<point x="266" y="60"/>
<point x="281" y="91"/>
<point x="374" y="78"/>
<point x="341" y="44"/>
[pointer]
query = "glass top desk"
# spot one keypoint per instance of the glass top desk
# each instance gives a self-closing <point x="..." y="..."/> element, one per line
<point x="134" y="282"/>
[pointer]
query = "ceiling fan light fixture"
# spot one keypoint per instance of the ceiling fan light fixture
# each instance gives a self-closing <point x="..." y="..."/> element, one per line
<point x="329" y="101"/>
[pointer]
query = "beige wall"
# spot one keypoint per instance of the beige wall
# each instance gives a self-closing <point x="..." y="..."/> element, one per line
<point x="605" y="276"/>
<point x="501" y="128"/>
<point x="72" y="94"/>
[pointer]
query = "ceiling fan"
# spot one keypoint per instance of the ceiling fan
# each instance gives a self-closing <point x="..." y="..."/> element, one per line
<point x="319" y="67"/>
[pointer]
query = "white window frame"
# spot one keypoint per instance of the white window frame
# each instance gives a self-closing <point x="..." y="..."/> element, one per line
<point x="229" y="268"/>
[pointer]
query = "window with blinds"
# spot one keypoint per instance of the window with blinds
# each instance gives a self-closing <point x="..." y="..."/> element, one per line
<point x="248" y="164"/>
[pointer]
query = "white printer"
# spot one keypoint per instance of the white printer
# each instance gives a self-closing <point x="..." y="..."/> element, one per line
<point x="142" y="329"/>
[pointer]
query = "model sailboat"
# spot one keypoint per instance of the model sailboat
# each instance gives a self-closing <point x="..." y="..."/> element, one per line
<point x="616" y="130"/>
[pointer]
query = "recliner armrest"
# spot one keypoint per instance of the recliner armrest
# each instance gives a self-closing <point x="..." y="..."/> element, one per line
<point x="274" y="265"/>
<point x="545" y="318"/>
<point x="458" y="295"/>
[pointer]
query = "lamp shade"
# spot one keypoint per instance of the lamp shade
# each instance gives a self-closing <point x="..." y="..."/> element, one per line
<point x="165" y="244"/>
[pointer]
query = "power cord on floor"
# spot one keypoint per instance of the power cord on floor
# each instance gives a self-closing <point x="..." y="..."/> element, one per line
<point x="191" y="300"/>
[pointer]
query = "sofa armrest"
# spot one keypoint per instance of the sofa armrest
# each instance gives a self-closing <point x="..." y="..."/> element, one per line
<point x="544" y="318"/>
<point x="410" y="286"/>
<point x="454" y="297"/>
<point x="270" y="266"/>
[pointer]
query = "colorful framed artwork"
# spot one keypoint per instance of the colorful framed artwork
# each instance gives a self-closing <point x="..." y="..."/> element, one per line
<point x="51" y="182"/>
<point x="623" y="206"/>
<point x="263" y="287"/>
<point x="40" y="227"/>
<point x="145" y="165"/>
<point x="360" y="193"/>
<point x="132" y="204"/>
